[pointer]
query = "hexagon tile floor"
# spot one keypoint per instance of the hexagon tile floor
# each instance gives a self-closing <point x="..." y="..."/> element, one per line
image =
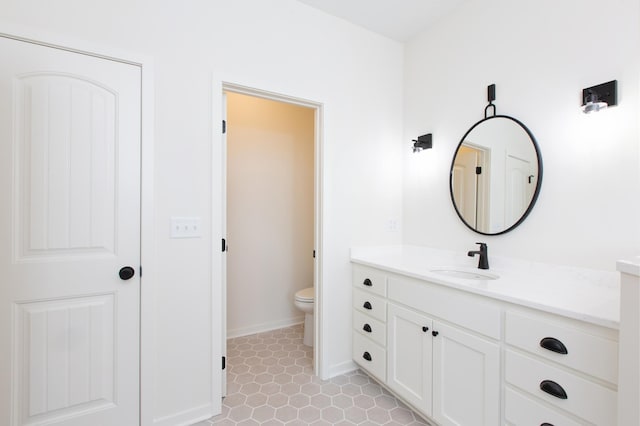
<point x="270" y="382"/>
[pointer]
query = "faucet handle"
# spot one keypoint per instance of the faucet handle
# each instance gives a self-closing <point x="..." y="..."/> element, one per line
<point x="482" y="244"/>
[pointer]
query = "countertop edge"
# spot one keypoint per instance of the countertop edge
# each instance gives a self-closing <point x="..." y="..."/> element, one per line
<point x="581" y="316"/>
<point x="629" y="266"/>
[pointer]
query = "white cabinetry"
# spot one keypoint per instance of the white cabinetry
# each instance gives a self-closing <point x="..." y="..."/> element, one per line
<point x="409" y="356"/>
<point x="569" y="366"/>
<point x="464" y="359"/>
<point x="466" y="378"/>
<point x="369" y="321"/>
<point x="437" y="359"/>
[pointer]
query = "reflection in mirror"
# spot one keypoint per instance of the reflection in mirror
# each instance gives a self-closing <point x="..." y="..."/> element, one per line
<point x="495" y="175"/>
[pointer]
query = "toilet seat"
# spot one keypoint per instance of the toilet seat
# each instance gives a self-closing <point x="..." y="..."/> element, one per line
<point x="306" y="295"/>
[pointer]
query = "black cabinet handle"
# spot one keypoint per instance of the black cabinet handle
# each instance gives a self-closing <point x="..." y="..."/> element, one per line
<point x="554" y="345"/>
<point x="366" y="356"/>
<point x="367" y="305"/>
<point x="367" y="328"/>
<point x="425" y="329"/>
<point x="552" y="388"/>
<point x="546" y="424"/>
<point x="367" y="282"/>
<point x="434" y="333"/>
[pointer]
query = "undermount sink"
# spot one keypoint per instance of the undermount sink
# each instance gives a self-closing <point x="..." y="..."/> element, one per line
<point x="466" y="274"/>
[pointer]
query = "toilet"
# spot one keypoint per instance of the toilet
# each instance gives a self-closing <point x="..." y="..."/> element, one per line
<point x="304" y="301"/>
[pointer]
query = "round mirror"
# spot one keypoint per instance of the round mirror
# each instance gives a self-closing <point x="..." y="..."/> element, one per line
<point x="496" y="174"/>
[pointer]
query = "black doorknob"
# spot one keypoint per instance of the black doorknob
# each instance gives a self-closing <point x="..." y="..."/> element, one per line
<point x="434" y="333"/>
<point x="126" y="273"/>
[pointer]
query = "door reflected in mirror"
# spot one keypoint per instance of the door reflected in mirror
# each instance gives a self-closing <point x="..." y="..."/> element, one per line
<point x="495" y="175"/>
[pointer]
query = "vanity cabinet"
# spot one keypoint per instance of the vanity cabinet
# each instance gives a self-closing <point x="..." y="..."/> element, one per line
<point x="437" y="358"/>
<point x="449" y="374"/>
<point x="460" y="358"/>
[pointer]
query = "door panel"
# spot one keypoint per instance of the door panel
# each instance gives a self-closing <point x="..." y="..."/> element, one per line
<point x="65" y="146"/>
<point x="409" y="358"/>
<point x="519" y="188"/>
<point x="466" y="378"/>
<point x="69" y="220"/>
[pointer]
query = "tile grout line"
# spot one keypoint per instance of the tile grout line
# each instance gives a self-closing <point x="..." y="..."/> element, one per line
<point x="270" y="381"/>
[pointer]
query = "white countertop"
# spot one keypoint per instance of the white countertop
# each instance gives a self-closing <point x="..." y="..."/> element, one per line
<point x="583" y="294"/>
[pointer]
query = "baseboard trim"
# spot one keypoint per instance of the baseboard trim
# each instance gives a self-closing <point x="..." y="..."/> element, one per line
<point x="261" y="328"/>
<point x="342" y="368"/>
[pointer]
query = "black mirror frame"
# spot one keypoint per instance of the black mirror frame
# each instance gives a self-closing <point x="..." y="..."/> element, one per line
<point x="538" y="183"/>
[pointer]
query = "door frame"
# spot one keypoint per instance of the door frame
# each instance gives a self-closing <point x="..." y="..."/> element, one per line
<point x="223" y="87"/>
<point x="147" y="203"/>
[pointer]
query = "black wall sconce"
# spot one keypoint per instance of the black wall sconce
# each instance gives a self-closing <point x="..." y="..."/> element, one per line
<point x="423" y="142"/>
<point x="599" y="97"/>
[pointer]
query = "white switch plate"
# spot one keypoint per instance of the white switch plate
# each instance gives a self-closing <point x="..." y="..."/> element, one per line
<point x="392" y="225"/>
<point x="185" y="227"/>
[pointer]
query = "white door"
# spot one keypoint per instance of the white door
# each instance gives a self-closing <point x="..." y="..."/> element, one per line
<point x="466" y="378"/>
<point x="519" y="188"/>
<point x="409" y="352"/>
<point x="69" y="221"/>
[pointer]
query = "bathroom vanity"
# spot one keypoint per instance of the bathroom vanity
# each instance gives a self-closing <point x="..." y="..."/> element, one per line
<point x="520" y="344"/>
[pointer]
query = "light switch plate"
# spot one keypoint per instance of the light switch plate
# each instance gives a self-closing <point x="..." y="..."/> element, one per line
<point x="185" y="227"/>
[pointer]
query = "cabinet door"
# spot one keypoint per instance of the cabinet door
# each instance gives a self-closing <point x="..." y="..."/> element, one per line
<point x="466" y="378"/>
<point x="409" y="351"/>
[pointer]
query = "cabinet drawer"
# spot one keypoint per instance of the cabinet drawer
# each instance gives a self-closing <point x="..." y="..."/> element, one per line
<point x="370" y="304"/>
<point x="524" y="411"/>
<point x="369" y="327"/>
<point x="467" y="310"/>
<point x="370" y="279"/>
<point x="585" y="399"/>
<point x="591" y="354"/>
<point x="370" y="356"/>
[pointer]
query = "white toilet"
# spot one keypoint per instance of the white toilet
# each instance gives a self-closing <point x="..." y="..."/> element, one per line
<point x="304" y="301"/>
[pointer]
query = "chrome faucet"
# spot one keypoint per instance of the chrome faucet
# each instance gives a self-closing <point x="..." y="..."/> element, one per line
<point x="483" y="262"/>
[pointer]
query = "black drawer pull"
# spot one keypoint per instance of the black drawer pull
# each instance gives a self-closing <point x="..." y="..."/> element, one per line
<point x="367" y="282"/>
<point x="546" y="424"/>
<point x="434" y="333"/>
<point x="367" y="305"/>
<point x="367" y="328"/>
<point x="425" y="329"/>
<point x="554" y="345"/>
<point x="366" y="356"/>
<point x="552" y="388"/>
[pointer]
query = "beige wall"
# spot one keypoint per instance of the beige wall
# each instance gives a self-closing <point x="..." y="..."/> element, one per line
<point x="270" y="199"/>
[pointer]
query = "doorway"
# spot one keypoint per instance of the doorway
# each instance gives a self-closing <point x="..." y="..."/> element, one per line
<point x="271" y="205"/>
<point x="471" y="175"/>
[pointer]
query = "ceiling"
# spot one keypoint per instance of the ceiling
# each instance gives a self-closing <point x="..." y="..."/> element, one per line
<point x="397" y="19"/>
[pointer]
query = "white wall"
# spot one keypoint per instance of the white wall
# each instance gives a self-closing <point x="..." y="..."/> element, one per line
<point x="270" y="198"/>
<point x="540" y="55"/>
<point x="281" y="46"/>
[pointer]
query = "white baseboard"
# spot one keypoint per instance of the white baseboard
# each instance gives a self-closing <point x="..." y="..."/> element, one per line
<point x="267" y="326"/>
<point x="187" y="417"/>
<point x="342" y="368"/>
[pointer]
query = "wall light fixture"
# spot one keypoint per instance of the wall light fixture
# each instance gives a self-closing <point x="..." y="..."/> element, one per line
<point x="599" y="97"/>
<point x="423" y="142"/>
